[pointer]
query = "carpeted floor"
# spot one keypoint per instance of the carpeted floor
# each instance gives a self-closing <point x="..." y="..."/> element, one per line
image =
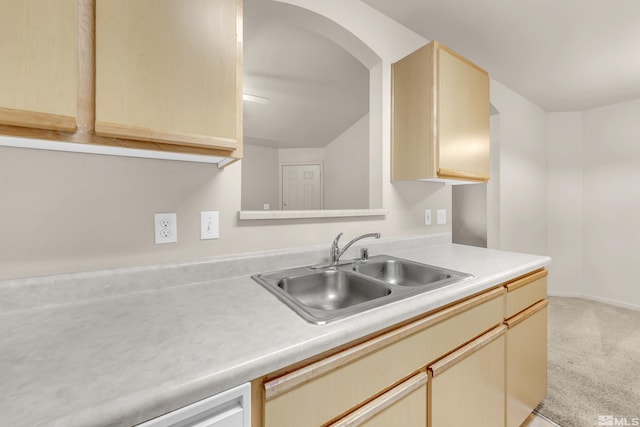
<point x="594" y="364"/>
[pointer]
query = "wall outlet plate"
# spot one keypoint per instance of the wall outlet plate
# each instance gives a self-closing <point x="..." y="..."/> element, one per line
<point x="427" y="217"/>
<point x="166" y="228"/>
<point x="209" y="225"/>
<point x="441" y="216"/>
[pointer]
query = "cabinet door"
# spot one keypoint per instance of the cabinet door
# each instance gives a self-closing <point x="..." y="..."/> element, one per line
<point x="170" y="71"/>
<point x="405" y="405"/>
<point x="526" y="362"/>
<point x="463" y="118"/>
<point x="324" y="390"/>
<point x="38" y="83"/>
<point x="440" y="117"/>
<point x="466" y="388"/>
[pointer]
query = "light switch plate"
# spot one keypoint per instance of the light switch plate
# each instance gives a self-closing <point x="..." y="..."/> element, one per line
<point x="427" y="217"/>
<point x="441" y="216"/>
<point x="166" y="228"/>
<point x="209" y="225"/>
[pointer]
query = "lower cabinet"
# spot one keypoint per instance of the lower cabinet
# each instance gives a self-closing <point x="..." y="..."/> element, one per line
<point x="404" y="405"/>
<point x="526" y="362"/>
<point x="463" y="365"/>
<point x="343" y="385"/>
<point x="467" y="387"/>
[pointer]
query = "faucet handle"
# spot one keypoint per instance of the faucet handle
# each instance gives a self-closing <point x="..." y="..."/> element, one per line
<point x="335" y="241"/>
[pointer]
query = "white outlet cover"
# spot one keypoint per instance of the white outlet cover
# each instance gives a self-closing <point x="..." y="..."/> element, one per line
<point x="166" y="228"/>
<point x="209" y="225"/>
<point x="427" y="217"/>
<point x="441" y="216"/>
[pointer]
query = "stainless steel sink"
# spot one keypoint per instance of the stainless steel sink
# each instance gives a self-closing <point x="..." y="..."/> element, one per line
<point x="333" y="292"/>
<point x="332" y="289"/>
<point x="402" y="272"/>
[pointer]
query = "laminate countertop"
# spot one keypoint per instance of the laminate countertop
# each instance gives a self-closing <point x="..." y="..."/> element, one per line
<point x="116" y="358"/>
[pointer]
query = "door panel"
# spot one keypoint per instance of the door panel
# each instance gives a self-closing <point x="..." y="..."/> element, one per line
<point x="301" y="187"/>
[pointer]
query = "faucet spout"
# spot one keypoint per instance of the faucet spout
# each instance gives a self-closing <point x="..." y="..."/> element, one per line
<point x="335" y="252"/>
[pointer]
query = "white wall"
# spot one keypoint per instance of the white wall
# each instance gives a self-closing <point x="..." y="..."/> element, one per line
<point x="346" y="168"/>
<point x="565" y="192"/>
<point x="260" y="177"/>
<point x="523" y="172"/>
<point x="611" y="203"/>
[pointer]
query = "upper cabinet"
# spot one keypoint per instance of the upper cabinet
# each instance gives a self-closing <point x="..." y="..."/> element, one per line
<point x="440" y="128"/>
<point x="142" y="78"/>
<point x="170" y="71"/>
<point x="38" y="76"/>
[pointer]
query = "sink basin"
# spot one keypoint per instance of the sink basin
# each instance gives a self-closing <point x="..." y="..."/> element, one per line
<point x="402" y="272"/>
<point x="323" y="294"/>
<point x="332" y="289"/>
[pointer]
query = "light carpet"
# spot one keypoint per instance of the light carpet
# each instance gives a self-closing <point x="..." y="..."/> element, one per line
<point x="594" y="364"/>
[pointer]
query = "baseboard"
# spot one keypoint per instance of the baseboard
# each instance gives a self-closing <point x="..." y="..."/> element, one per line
<point x="566" y="294"/>
<point x="596" y="299"/>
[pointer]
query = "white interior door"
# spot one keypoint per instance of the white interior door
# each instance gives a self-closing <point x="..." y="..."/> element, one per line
<point x="301" y="187"/>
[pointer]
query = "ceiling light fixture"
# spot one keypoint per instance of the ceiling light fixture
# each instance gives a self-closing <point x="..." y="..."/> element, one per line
<point x="255" y="98"/>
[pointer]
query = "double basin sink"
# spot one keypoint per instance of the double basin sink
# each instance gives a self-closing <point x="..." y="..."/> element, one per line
<point x="323" y="294"/>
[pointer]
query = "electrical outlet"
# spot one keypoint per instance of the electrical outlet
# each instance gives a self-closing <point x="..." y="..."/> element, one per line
<point x="427" y="217"/>
<point x="166" y="228"/>
<point x="209" y="225"/>
<point x="441" y="216"/>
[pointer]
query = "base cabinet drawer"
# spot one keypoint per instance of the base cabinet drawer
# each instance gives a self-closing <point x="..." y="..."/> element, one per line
<point x="405" y="405"/>
<point x="467" y="388"/>
<point x="525" y="291"/>
<point x="526" y="362"/>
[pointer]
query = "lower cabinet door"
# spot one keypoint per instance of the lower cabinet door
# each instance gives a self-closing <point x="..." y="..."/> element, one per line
<point x="526" y="362"/>
<point x="404" y="405"/>
<point x="467" y="387"/>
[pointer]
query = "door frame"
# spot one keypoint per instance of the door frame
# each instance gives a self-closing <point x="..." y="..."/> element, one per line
<point x="280" y="182"/>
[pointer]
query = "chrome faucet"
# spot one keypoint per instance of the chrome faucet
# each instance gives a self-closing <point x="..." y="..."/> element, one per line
<point x="335" y="252"/>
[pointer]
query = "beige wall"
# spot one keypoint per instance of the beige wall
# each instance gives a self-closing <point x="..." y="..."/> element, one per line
<point x="523" y="172"/>
<point x="346" y="168"/>
<point x="565" y="232"/>
<point x="64" y="212"/>
<point x="260" y="177"/>
<point x="611" y="203"/>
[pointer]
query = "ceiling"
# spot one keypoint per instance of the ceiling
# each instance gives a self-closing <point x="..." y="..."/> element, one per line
<point x="316" y="89"/>
<point x="564" y="55"/>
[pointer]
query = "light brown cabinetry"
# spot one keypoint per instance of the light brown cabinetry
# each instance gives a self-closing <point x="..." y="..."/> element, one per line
<point x="38" y="76"/>
<point x="405" y="405"/>
<point x="169" y="71"/>
<point x="440" y="116"/>
<point x="337" y="385"/>
<point x="526" y="373"/>
<point x="466" y="388"/>
<point x="163" y="76"/>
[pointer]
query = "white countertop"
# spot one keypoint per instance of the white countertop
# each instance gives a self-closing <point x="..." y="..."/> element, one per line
<point x="122" y="359"/>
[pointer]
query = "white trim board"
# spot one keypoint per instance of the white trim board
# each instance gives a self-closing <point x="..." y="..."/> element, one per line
<point x="335" y="213"/>
<point x="71" y="147"/>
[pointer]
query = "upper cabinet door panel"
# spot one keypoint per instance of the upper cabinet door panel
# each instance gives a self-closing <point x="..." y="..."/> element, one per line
<point x="463" y="119"/>
<point x="38" y="76"/>
<point x="440" y="117"/>
<point x="170" y="71"/>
